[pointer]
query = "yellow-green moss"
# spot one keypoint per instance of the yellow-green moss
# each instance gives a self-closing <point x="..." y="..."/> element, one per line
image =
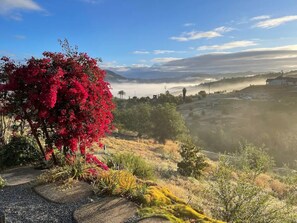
<point x="159" y="201"/>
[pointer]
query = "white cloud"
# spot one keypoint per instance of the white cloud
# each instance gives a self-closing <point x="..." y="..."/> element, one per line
<point x="286" y="47"/>
<point x="223" y="29"/>
<point x="230" y="45"/>
<point x="163" y="51"/>
<point x="156" y="52"/>
<point x="271" y="23"/>
<point x="140" y="52"/>
<point x="189" y="24"/>
<point x="261" y="17"/>
<point x="164" y="59"/>
<point x="194" y="35"/>
<point x="8" y="8"/>
<point x="9" y="5"/>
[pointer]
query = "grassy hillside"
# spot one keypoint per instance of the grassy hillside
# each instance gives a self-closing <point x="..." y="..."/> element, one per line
<point x="261" y="115"/>
<point x="199" y="193"/>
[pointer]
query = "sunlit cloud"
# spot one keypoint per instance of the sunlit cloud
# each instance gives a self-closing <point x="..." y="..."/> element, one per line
<point x="261" y="17"/>
<point x="156" y="52"/>
<point x="164" y="59"/>
<point x="223" y="29"/>
<point x="228" y="46"/>
<point x="163" y="51"/>
<point x="194" y="35"/>
<point x="140" y="52"/>
<point x="11" y="8"/>
<point x="271" y="23"/>
<point x="286" y="47"/>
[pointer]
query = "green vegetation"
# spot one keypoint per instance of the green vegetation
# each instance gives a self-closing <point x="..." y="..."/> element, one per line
<point x="252" y="158"/>
<point x="116" y="182"/>
<point x="265" y="119"/>
<point x="167" y="123"/>
<point x="77" y="169"/>
<point x="160" y="121"/>
<point x="132" y="163"/>
<point x="237" y="199"/>
<point x="19" y="151"/>
<point x="193" y="162"/>
<point x="2" y="182"/>
<point x="155" y="200"/>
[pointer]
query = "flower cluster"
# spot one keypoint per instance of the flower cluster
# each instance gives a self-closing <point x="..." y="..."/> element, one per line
<point x="63" y="97"/>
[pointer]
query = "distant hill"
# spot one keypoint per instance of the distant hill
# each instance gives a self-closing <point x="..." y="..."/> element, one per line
<point x="114" y="77"/>
<point x="240" y="80"/>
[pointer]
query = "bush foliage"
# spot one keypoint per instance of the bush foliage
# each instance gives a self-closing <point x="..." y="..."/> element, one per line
<point x="2" y="182"/>
<point x="160" y="121"/>
<point x="254" y="159"/>
<point x="193" y="162"/>
<point x="19" y="151"/>
<point x="237" y="199"/>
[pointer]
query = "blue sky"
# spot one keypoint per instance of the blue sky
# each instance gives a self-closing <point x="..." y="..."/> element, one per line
<point x="136" y="34"/>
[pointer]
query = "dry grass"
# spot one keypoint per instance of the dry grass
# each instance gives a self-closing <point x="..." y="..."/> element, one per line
<point x="158" y="155"/>
<point x="164" y="159"/>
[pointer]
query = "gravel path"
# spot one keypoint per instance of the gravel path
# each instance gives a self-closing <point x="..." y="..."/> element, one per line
<point x="22" y="205"/>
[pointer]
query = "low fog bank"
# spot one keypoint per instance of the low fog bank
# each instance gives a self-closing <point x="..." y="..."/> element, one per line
<point x="149" y="89"/>
<point x="146" y="89"/>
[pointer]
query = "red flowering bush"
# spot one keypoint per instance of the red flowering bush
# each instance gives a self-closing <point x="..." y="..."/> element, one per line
<point x="64" y="98"/>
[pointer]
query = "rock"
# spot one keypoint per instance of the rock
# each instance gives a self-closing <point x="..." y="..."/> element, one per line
<point x="108" y="209"/>
<point x="55" y="192"/>
<point x="20" y="175"/>
<point x="154" y="220"/>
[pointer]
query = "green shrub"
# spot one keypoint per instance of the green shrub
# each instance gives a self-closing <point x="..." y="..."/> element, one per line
<point x="254" y="159"/>
<point x="193" y="162"/>
<point x="19" y="151"/>
<point x="116" y="182"/>
<point x="237" y="199"/>
<point x="134" y="164"/>
<point x="77" y="170"/>
<point x="2" y="182"/>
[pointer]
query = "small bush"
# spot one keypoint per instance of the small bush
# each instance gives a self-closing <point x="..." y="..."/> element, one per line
<point x="2" y="182"/>
<point x="237" y="199"/>
<point x="116" y="182"/>
<point x="19" y="151"/>
<point x="134" y="164"/>
<point x="254" y="159"/>
<point x="193" y="162"/>
<point x="77" y="170"/>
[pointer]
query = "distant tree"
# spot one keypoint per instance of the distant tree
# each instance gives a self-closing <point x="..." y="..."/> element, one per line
<point x="136" y="118"/>
<point x="121" y="93"/>
<point x="184" y="93"/>
<point x="167" y="123"/>
<point x="202" y="94"/>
